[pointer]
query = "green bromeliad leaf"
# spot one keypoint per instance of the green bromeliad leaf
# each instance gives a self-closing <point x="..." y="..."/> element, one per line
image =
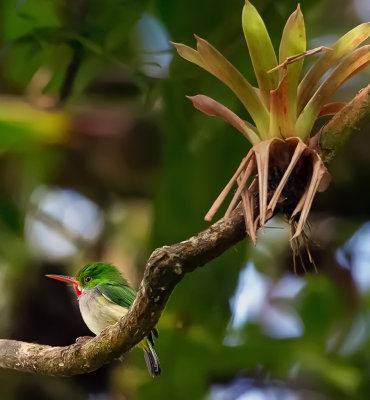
<point x="340" y="49"/>
<point x="293" y="42"/>
<point x="190" y="54"/>
<point x="261" y="50"/>
<point x="209" y="58"/>
<point x="280" y="106"/>
<point x="349" y="66"/>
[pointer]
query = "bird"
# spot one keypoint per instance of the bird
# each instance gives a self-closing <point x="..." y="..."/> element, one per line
<point x="104" y="296"/>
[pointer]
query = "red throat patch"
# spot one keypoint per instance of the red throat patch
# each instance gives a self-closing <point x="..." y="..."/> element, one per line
<point x="77" y="290"/>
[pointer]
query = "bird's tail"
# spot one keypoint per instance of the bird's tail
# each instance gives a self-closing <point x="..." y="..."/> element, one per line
<point x="151" y="359"/>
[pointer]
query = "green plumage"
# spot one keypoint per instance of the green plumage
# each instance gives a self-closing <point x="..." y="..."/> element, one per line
<point x="121" y="295"/>
<point x="100" y="272"/>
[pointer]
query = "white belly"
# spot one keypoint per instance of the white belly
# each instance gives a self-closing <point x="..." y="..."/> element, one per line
<point x="97" y="311"/>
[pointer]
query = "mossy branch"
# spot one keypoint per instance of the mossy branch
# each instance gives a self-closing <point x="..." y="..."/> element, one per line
<point x="352" y="118"/>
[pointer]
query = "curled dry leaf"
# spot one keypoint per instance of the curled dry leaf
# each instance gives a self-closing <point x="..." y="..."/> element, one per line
<point x="331" y="108"/>
<point x="213" y="108"/>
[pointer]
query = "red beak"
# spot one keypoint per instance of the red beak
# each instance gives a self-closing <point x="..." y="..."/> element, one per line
<point x="68" y="279"/>
<point x="63" y="278"/>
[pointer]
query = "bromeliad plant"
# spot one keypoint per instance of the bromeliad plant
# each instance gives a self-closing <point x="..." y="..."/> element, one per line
<point x="282" y="171"/>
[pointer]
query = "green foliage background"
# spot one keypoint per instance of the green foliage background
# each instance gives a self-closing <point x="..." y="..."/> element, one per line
<point x="153" y="176"/>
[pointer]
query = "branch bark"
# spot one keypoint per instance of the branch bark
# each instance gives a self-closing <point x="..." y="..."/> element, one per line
<point x="353" y="117"/>
<point x="164" y="270"/>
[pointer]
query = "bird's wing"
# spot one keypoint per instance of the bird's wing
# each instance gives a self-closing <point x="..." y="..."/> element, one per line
<point x="124" y="296"/>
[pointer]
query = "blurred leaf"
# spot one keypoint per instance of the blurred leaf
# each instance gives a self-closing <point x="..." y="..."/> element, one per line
<point x="22" y="123"/>
<point x="10" y="218"/>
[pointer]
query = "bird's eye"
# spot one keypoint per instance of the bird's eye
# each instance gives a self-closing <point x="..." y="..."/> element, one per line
<point x="87" y="279"/>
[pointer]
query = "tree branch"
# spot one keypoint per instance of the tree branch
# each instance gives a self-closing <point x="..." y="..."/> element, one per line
<point x="352" y="118"/>
<point x="164" y="270"/>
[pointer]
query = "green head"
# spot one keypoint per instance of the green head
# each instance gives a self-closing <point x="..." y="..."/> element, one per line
<point x="93" y="274"/>
<point x="97" y="273"/>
